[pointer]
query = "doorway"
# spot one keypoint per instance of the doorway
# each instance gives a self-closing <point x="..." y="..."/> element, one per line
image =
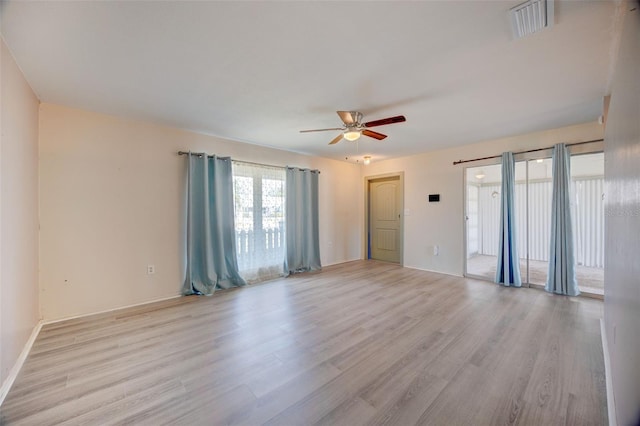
<point x="483" y="186"/>
<point x="384" y="218"/>
<point x="533" y="198"/>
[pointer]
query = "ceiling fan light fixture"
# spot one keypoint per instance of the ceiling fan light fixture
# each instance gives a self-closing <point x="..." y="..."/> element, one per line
<point x="367" y="160"/>
<point x="351" y="135"/>
<point x="354" y="127"/>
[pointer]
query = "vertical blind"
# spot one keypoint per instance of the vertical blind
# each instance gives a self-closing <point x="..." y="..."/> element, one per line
<point x="589" y="221"/>
<point x="588" y="211"/>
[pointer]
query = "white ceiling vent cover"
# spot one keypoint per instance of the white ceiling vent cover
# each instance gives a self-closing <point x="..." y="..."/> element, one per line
<point x="531" y="16"/>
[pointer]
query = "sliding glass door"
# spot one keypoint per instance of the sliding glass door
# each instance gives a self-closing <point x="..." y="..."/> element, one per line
<point x="533" y="219"/>
<point x="483" y="189"/>
<point x="538" y="209"/>
<point x="482" y="220"/>
<point x="587" y="187"/>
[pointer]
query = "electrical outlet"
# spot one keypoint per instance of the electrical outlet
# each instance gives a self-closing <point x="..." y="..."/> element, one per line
<point x="151" y="269"/>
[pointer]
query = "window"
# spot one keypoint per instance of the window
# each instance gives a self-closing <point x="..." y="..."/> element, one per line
<point x="259" y="208"/>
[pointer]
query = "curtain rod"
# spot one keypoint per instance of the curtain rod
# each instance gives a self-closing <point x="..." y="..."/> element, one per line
<point x="524" y="152"/>
<point x="200" y="154"/>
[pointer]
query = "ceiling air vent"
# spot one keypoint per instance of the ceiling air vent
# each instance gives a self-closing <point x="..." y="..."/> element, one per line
<point x="531" y="16"/>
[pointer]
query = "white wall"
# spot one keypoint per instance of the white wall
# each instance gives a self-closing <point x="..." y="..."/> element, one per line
<point x="429" y="224"/>
<point x="622" y="225"/>
<point x="18" y="212"/>
<point x="112" y="202"/>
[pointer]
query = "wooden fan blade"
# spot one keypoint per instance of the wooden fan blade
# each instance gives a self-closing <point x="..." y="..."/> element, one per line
<point x="347" y="117"/>
<point x="373" y="134"/>
<point x="336" y="140"/>
<point x="321" y="130"/>
<point x="382" y="122"/>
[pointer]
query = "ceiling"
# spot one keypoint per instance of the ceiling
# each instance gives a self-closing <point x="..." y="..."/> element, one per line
<point x="259" y="72"/>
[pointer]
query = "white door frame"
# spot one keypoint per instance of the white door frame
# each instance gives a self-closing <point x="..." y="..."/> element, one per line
<point x="365" y="235"/>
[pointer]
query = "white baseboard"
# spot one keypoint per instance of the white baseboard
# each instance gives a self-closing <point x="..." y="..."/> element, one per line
<point x="431" y="270"/>
<point x="341" y="262"/>
<point x="611" y="406"/>
<point x="13" y="374"/>
<point x="106" y="311"/>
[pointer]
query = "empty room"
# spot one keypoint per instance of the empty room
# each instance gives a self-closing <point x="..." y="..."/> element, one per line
<point x="311" y="212"/>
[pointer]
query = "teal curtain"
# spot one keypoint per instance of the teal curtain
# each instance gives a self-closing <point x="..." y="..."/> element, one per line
<point x="302" y="223"/>
<point x="508" y="270"/>
<point x="210" y="238"/>
<point x="561" y="278"/>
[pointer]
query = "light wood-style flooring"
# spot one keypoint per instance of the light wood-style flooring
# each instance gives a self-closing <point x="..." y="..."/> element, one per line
<point x="590" y="280"/>
<point x="363" y="342"/>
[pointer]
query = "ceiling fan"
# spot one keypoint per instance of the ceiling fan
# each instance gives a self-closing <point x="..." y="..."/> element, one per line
<point x="354" y="127"/>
